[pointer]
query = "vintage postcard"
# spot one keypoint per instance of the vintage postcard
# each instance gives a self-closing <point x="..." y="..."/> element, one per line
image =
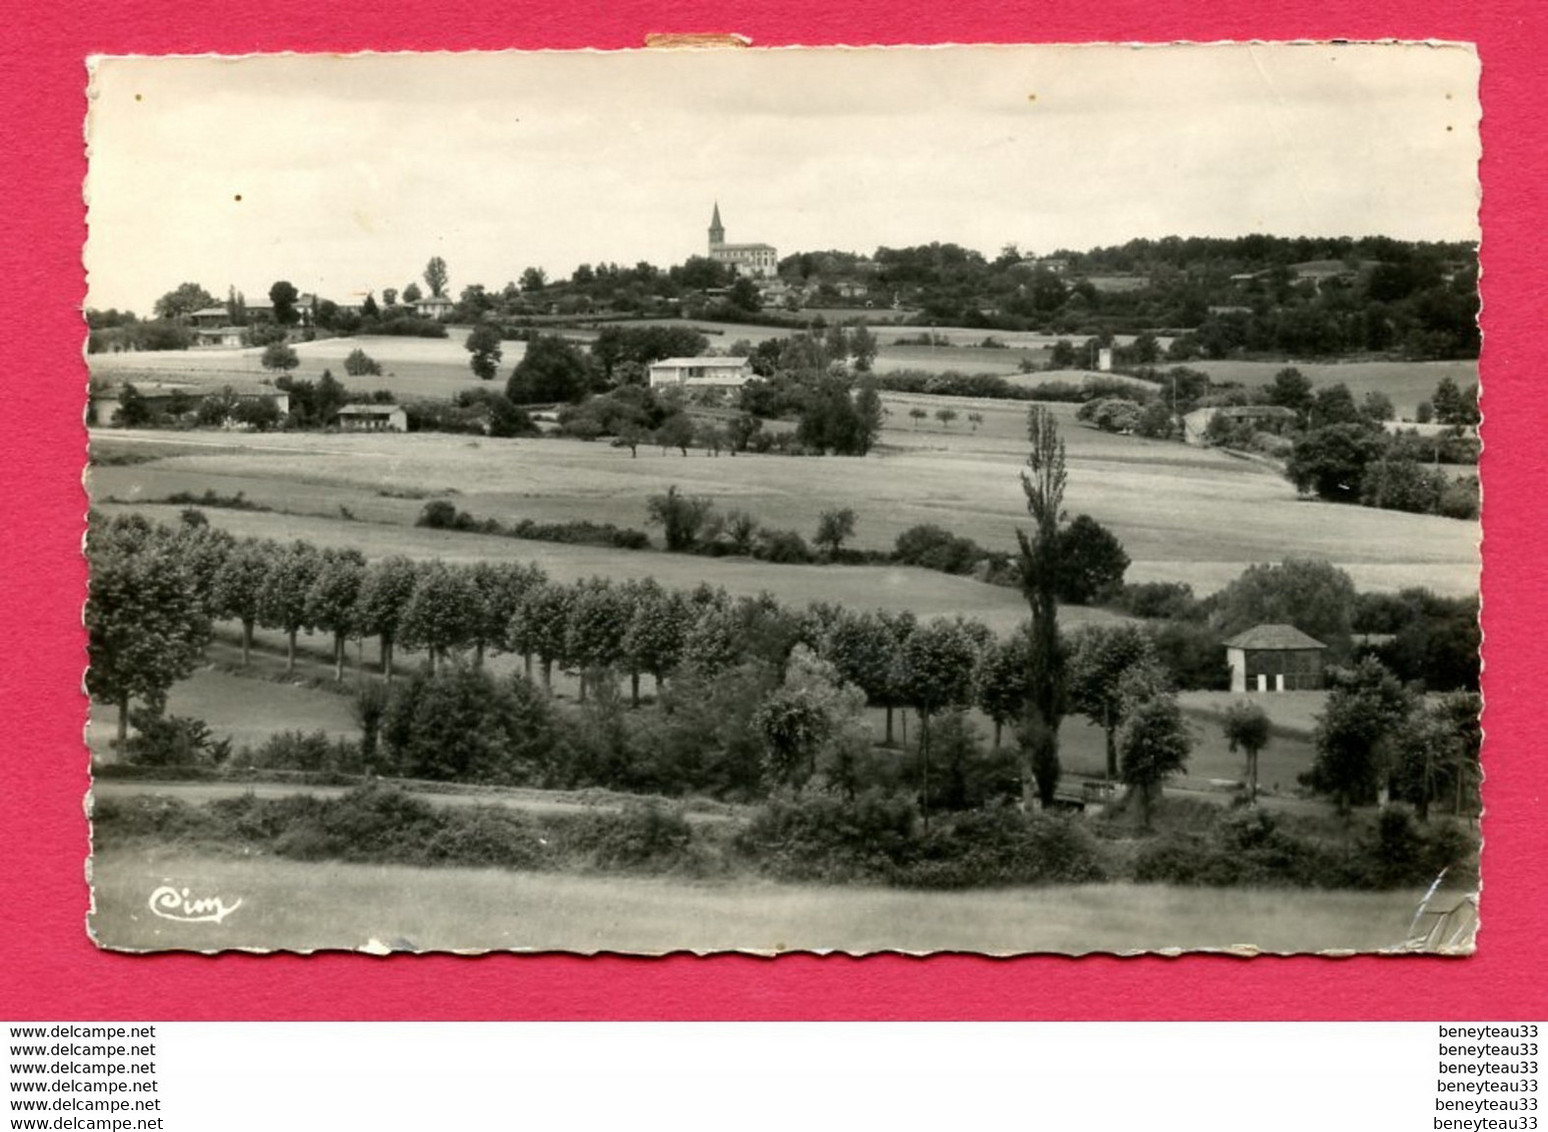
<point x="990" y="499"/>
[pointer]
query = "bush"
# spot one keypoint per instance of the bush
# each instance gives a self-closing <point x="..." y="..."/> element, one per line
<point x="469" y="419"/>
<point x="361" y="364"/>
<point x="782" y="546"/>
<point x="486" y="837"/>
<point x="1172" y="601"/>
<point x="173" y="740"/>
<point x="1155" y="421"/>
<point x="580" y="532"/>
<point x="439" y="515"/>
<point x="1056" y="391"/>
<point x="1111" y="414"/>
<point x="154" y="816"/>
<point x="1402" y="484"/>
<point x="936" y="548"/>
<point x="371" y="823"/>
<point x="1400" y="853"/>
<point x="1245" y="847"/>
<point x="1191" y="653"/>
<point x="1254" y="847"/>
<point x="954" y="384"/>
<point x="442" y="514"/>
<point x="501" y="418"/>
<point x="1460" y="499"/>
<point x="295" y="750"/>
<point x="824" y="838"/>
<point x="878" y="838"/>
<point x="211" y="498"/>
<point x="643" y="836"/>
<point x="405" y="326"/>
<point x="1001" y="846"/>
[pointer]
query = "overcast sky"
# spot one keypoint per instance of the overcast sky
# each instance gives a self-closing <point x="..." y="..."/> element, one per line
<point x="347" y="174"/>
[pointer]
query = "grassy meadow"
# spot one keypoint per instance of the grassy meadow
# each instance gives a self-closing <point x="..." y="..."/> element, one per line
<point x="413" y="368"/>
<point x="1183" y="514"/>
<point x="309" y="906"/>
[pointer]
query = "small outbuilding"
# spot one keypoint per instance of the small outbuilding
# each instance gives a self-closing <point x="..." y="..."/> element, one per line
<point x="373" y="418"/>
<point x="1275" y="658"/>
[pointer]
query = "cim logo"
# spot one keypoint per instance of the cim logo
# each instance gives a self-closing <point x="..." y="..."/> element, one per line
<point x="176" y="904"/>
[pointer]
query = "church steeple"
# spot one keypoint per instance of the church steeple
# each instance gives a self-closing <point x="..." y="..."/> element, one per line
<point x="717" y="231"/>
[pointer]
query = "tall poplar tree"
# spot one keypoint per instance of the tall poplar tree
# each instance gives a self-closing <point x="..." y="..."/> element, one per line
<point x="1043" y="482"/>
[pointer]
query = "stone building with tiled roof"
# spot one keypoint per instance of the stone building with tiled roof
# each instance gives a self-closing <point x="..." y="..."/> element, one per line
<point x="1275" y="658"/>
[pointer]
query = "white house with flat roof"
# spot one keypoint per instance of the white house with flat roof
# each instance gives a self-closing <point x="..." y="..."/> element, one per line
<point x="701" y="373"/>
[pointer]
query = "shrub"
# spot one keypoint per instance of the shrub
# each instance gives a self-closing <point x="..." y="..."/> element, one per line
<point x="1245" y="847"/>
<point x="295" y="750"/>
<point x="372" y="823"/>
<point x="1397" y="852"/>
<point x="1252" y="846"/>
<point x="361" y="364"/>
<point x="1398" y="483"/>
<point x="1460" y="499"/>
<point x="878" y="838"/>
<point x="1056" y="391"/>
<point x="782" y="546"/>
<point x="1172" y="601"/>
<point x="486" y="837"/>
<point x="441" y="514"/>
<point x="680" y="516"/>
<point x="115" y="820"/>
<point x="405" y="326"/>
<point x="1191" y="652"/>
<point x="954" y="384"/>
<point x="444" y="416"/>
<point x="173" y="740"/>
<point x="820" y="837"/>
<point x="438" y="514"/>
<point x="643" y="836"/>
<point x="1001" y="846"/>
<point x="936" y="548"/>
<point x="1155" y="421"/>
<point x="211" y="498"/>
<point x="1111" y="414"/>
<point x="579" y="532"/>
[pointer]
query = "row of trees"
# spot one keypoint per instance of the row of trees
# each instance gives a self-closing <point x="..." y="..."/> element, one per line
<point x="1233" y="296"/>
<point x="155" y="593"/>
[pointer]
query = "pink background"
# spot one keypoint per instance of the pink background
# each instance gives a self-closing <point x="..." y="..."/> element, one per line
<point x="51" y="970"/>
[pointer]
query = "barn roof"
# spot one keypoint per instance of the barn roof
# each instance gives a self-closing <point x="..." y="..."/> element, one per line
<point x="1279" y="638"/>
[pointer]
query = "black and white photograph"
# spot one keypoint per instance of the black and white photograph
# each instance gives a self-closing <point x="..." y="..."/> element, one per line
<point x="971" y="499"/>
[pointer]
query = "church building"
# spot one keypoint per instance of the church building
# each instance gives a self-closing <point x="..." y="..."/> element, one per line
<point x="760" y="261"/>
